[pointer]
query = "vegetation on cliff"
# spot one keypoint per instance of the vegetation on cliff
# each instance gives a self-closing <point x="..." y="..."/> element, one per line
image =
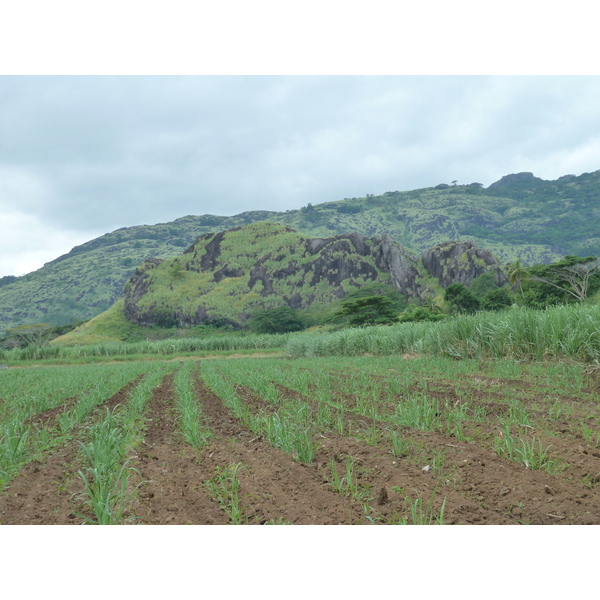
<point x="226" y="277"/>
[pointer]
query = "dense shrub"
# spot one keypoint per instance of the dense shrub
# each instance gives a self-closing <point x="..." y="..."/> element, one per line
<point x="371" y="310"/>
<point x="496" y="299"/>
<point x="420" y="314"/>
<point x="282" y="319"/>
<point x="461" y="299"/>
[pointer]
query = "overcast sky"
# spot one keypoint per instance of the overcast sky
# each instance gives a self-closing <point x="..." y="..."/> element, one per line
<point x="84" y="155"/>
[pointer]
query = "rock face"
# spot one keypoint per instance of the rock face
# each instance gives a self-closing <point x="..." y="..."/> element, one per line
<point x="461" y="262"/>
<point x="400" y="264"/>
<point x="136" y="287"/>
<point x="225" y="276"/>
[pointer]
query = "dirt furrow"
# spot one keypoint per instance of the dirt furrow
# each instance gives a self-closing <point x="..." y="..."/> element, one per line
<point x="508" y="487"/>
<point x="382" y="482"/>
<point x="173" y="472"/>
<point x="48" y="418"/>
<point x="46" y="491"/>
<point x="387" y="481"/>
<point x="480" y="486"/>
<point x="274" y="487"/>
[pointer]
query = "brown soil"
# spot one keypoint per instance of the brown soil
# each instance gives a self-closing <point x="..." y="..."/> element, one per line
<point x="273" y="486"/>
<point x="46" y="491"/>
<point x="475" y="484"/>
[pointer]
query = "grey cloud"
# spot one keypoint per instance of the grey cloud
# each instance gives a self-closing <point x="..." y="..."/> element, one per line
<point x="97" y="153"/>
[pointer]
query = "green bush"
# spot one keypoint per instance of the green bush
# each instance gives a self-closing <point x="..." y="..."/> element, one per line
<point x="483" y="284"/>
<point x="420" y="314"/>
<point x="461" y="299"/>
<point x="371" y="310"/>
<point x="496" y="299"/>
<point x="282" y="319"/>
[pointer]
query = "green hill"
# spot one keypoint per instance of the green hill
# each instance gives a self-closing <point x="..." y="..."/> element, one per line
<point x="520" y="216"/>
<point x="225" y="278"/>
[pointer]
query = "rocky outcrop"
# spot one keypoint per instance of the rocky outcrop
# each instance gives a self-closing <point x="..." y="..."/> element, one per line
<point x="135" y="289"/>
<point x="400" y="263"/>
<point x="515" y="178"/>
<point x="267" y="261"/>
<point x="228" y="275"/>
<point x="461" y="262"/>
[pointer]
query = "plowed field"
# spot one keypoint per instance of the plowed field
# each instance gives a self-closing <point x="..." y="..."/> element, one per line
<point x="355" y="441"/>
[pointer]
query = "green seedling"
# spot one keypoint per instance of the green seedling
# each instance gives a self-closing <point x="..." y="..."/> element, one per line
<point x="346" y="485"/>
<point x="189" y="411"/>
<point x="290" y="433"/>
<point x="368" y="510"/>
<point x="530" y="453"/>
<point x="591" y="436"/>
<point x="418" y="513"/>
<point x="418" y="411"/>
<point x="106" y="475"/>
<point x="225" y="485"/>
<point x="400" y="446"/>
<point x="107" y="496"/>
<point x="13" y="443"/>
<point x="280" y="521"/>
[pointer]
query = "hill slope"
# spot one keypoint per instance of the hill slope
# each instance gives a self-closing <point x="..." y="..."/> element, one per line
<point x="520" y="216"/>
<point x="224" y="277"/>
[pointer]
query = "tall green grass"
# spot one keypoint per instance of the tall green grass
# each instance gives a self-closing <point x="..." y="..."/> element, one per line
<point x="567" y="331"/>
<point x="171" y="347"/>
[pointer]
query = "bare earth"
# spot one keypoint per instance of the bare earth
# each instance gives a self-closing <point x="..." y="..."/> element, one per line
<point x="477" y="485"/>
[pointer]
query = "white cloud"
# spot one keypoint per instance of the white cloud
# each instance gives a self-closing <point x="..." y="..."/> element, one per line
<point x="26" y="243"/>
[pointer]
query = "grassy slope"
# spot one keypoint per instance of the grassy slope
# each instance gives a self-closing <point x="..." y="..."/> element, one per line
<point x="537" y="221"/>
<point x="109" y="326"/>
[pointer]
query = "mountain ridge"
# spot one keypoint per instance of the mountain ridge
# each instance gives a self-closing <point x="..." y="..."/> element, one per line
<point x="519" y="216"/>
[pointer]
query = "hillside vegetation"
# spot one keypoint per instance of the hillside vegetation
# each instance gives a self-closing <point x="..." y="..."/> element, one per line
<point x="519" y="217"/>
<point x="225" y="277"/>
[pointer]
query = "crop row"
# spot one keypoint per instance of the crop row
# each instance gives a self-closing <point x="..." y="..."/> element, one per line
<point x="107" y="470"/>
<point x="387" y="398"/>
<point x="29" y="395"/>
<point x="424" y="411"/>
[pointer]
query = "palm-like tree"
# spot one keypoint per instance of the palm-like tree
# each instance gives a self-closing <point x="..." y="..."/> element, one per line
<point x="431" y="305"/>
<point x="517" y="273"/>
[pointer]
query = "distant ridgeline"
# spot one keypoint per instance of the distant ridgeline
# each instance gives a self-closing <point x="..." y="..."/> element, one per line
<point x="518" y="217"/>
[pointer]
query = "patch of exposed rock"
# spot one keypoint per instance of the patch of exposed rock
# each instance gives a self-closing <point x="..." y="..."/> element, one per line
<point x="135" y="289"/>
<point x="400" y="263"/>
<point x="275" y="263"/>
<point x="461" y="262"/>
